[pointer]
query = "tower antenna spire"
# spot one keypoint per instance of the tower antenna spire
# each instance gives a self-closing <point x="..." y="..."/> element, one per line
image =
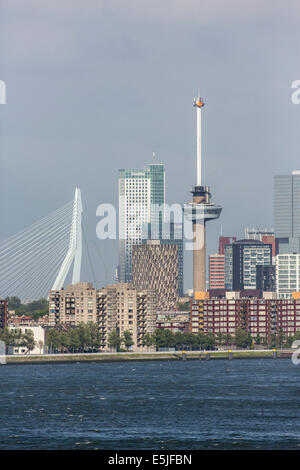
<point x="198" y="104"/>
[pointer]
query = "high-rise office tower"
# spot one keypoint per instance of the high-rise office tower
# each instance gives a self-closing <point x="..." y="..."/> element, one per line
<point x="141" y="200"/>
<point x="155" y="266"/>
<point x="200" y="211"/>
<point x="170" y="233"/>
<point x="287" y="212"/>
<point x="241" y="259"/>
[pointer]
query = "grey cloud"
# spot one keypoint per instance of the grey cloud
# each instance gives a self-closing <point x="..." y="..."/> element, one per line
<point x="95" y="86"/>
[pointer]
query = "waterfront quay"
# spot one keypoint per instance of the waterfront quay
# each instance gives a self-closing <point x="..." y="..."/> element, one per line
<point x="149" y="356"/>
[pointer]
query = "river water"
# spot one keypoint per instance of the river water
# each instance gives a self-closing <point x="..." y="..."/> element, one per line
<point x="217" y="404"/>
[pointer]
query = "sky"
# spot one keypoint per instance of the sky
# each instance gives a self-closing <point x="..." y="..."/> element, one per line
<point x="96" y="85"/>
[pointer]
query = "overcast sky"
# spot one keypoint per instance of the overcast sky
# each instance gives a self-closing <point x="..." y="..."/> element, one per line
<point x="95" y="85"/>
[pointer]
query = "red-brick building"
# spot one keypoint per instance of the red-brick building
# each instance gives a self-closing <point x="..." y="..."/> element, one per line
<point x="262" y="317"/>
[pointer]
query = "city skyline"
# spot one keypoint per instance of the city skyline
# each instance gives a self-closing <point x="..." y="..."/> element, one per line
<point x="57" y="117"/>
<point x="145" y="191"/>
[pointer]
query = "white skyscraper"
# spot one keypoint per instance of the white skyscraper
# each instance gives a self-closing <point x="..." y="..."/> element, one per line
<point x="141" y="196"/>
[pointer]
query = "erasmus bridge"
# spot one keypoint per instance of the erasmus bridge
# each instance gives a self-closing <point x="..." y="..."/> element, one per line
<point x="40" y="257"/>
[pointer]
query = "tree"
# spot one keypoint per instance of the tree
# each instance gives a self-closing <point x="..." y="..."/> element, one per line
<point x="228" y="339"/>
<point x="74" y="339"/>
<point x="127" y="339"/>
<point x="10" y="337"/>
<point x="220" y="338"/>
<point x="178" y="340"/>
<point x="53" y="339"/>
<point x="281" y="338"/>
<point x="210" y="341"/>
<point x="273" y="341"/>
<point x="290" y="339"/>
<point x="114" y="340"/>
<point x="13" y="302"/>
<point x="64" y="338"/>
<point x="201" y="340"/>
<point x="84" y="336"/>
<point x="258" y="339"/>
<point x="297" y="335"/>
<point x="28" y="340"/>
<point x="190" y="341"/>
<point x="148" y="340"/>
<point x="242" y="338"/>
<point x="164" y="338"/>
<point x="95" y="336"/>
<point x="15" y="338"/>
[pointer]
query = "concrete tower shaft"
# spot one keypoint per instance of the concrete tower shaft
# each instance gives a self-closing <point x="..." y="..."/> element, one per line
<point x="199" y="211"/>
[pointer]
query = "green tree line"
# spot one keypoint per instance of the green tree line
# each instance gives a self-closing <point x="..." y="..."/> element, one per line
<point x="35" y="309"/>
<point x="241" y="339"/>
<point x="115" y="341"/>
<point x="85" y="337"/>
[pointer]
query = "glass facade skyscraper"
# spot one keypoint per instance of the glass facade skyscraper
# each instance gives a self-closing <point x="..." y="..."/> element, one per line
<point x="157" y="195"/>
<point x="141" y="200"/>
<point x="287" y="212"/>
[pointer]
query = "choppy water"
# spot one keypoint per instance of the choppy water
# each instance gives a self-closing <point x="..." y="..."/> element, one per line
<point x="239" y="404"/>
